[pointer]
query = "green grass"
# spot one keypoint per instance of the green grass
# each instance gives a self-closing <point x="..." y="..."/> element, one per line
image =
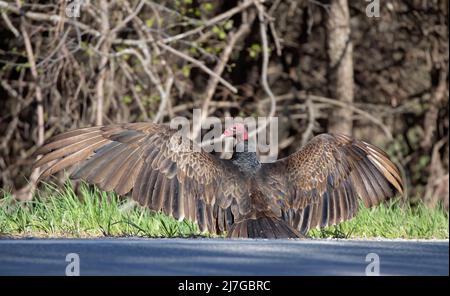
<point x="60" y="212"/>
<point x="391" y="220"/>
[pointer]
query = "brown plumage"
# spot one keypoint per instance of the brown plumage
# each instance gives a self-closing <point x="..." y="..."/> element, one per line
<point x="319" y="185"/>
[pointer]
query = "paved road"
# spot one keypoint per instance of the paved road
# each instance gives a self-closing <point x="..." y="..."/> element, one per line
<point x="222" y="257"/>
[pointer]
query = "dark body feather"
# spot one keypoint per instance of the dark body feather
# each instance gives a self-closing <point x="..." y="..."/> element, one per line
<point x="246" y="161"/>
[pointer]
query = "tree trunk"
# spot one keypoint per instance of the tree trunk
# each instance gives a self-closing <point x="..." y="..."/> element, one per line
<point x="100" y="88"/>
<point x="340" y="54"/>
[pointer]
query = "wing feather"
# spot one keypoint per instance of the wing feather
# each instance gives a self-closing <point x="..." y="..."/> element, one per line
<point x="323" y="183"/>
<point x="164" y="170"/>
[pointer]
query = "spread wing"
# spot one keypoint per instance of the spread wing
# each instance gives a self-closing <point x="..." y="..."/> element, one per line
<point x="323" y="183"/>
<point x="165" y="171"/>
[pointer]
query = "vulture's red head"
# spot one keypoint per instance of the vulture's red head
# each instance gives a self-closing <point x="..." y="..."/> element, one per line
<point x="237" y="131"/>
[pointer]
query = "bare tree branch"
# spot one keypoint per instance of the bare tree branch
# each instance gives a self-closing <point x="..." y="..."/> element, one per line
<point x="201" y="65"/>
<point x="26" y="193"/>
<point x="211" y="22"/>
<point x="265" y="65"/>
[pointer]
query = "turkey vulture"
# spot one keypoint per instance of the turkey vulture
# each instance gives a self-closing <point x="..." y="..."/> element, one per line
<point x="319" y="185"/>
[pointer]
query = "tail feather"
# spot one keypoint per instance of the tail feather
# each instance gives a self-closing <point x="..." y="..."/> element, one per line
<point x="263" y="227"/>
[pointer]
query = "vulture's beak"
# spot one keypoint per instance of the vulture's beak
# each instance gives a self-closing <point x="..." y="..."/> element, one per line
<point x="227" y="133"/>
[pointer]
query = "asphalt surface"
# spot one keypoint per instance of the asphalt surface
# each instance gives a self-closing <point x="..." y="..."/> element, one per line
<point x="222" y="257"/>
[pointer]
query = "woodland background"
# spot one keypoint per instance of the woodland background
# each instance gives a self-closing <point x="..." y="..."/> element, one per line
<point x="321" y="66"/>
